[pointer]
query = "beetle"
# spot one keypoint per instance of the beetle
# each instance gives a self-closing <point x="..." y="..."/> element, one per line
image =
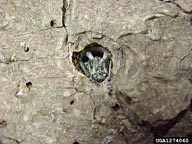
<point x="96" y="68"/>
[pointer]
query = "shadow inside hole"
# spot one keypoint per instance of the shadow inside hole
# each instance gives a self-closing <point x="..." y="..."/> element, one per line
<point x="29" y="84"/>
<point x="26" y="49"/>
<point x="72" y="102"/>
<point x="95" y="49"/>
<point x="115" y="107"/>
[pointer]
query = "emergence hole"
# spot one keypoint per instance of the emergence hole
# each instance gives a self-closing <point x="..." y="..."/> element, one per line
<point x="97" y="51"/>
<point x="76" y="143"/>
<point x="26" y="49"/>
<point x="116" y="107"/>
<point x="29" y="84"/>
<point x="72" y="102"/>
<point x="53" y="22"/>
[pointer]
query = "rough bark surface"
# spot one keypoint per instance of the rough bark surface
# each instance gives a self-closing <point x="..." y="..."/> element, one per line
<point x="44" y="99"/>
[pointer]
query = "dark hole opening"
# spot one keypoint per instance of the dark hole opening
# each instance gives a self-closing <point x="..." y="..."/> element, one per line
<point x="76" y="143"/>
<point x="53" y="23"/>
<point x="96" y="50"/>
<point x="72" y="102"/>
<point x="26" y="49"/>
<point x="115" y="107"/>
<point x="29" y="84"/>
<point x="94" y="53"/>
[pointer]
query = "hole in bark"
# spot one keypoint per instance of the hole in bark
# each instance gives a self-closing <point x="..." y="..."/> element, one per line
<point x="76" y="143"/>
<point x="29" y="84"/>
<point x="97" y="52"/>
<point x="115" y="107"/>
<point x="53" y="22"/>
<point x="72" y="102"/>
<point x="26" y="49"/>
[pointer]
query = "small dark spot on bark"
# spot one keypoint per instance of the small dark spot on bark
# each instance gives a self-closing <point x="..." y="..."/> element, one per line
<point x="110" y="93"/>
<point x="52" y="22"/>
<point x="26" y="49"/>
<point x="29" y="84"/>
<point x="72" y="102"/>
<point x="115" y="107"/>
<point x="76" y="142"/>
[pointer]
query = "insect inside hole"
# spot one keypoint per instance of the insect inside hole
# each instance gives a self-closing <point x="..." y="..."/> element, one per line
<point x="96" y="68"/>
